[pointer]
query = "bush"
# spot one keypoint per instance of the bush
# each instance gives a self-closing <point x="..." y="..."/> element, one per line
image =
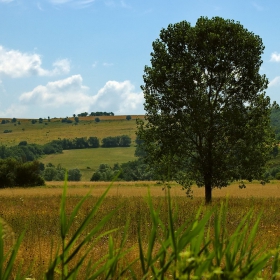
<point x="74" y="175"/>
<point x="52" y="173"/>
<point x="22" y="143"/>
<point x="104" y="173"/>
<point x="7" y="131"/>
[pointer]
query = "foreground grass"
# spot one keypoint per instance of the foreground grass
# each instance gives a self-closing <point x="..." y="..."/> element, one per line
<point x="38" y="214"/>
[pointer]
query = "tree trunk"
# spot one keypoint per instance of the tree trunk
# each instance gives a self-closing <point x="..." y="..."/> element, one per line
<point x="208" y="192"/>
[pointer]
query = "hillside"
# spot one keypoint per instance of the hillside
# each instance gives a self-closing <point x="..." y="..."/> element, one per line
<point x="87" y="160"/>
<point x="42" y="133"/>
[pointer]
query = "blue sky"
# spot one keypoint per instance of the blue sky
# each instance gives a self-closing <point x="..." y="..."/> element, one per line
<point x="60" y="57"/>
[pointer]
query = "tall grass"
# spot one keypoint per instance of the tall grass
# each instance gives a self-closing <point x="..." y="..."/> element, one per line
<point x="97" y="240"/>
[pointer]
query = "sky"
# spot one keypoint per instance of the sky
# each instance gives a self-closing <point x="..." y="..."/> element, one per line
<point x="65" y="57"/>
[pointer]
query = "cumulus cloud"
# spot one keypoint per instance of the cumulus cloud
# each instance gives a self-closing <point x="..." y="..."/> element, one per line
<point x="275" y="57"/>
<point x="16" y="64"/>
<point x="14" y="110"/>
<point x="58" y="93"/>
<point x="274" y="82"/>
<point x="118" y="97"/>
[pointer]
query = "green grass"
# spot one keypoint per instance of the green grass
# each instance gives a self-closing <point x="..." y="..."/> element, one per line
<point x="84" y="158"/>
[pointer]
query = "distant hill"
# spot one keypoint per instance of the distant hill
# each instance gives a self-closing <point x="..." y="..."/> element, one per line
<point x="42" y="131"/>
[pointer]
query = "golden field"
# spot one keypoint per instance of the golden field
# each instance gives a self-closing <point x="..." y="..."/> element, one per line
<point x="36" y="210"/>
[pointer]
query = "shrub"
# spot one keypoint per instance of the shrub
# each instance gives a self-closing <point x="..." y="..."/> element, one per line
<point x="74" y="175"/>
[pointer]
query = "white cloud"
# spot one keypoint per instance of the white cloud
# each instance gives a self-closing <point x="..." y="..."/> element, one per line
<point x="68" y="91"/>
<point x="275" y="57"/>
<point x="72" y="3"/>
<point x="118" y="97"/>
<point x="94" y="64"/>
<point x="14" y="110"/>
<point x="6" y="1"/>
<point x="16" y="64"/>
<point x="257" y="6"/>
<point x="106" y="64"/>
<point x="274" y="82"/>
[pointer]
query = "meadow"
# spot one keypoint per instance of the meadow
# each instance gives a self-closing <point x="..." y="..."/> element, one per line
<point x="36" y="211"/>
<point x="88" y="160"/>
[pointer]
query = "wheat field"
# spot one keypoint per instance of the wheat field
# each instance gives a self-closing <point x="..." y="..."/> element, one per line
<point x="36" y="210"/>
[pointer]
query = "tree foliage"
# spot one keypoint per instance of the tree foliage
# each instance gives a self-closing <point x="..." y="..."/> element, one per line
<point x="116" y="141"/>
<point x="16" y="173"/>
<point x="207" y="115"/>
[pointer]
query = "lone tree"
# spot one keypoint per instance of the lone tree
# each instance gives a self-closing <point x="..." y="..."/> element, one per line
<point x="207" y="116"/>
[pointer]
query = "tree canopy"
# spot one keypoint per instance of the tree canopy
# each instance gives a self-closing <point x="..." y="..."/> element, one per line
<point x="207" y="116"/>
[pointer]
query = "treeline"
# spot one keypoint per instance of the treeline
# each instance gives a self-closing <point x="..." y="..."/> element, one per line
<point x="96" y="114"/>
<point x="135" y="170"/>
<point x="57" y="173"/>
<point x="29" y="152"/>
<point x="15" y="173"/>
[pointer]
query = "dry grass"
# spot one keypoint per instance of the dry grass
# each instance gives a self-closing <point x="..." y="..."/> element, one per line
<point x="140" y="188"/>
<point x="36" y="211"/>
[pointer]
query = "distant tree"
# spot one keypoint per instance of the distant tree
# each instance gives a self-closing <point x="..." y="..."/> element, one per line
<point x="74" y="175"/>
<point x="128" y="118"/>
<point x="50" y="173"/>
<point x="104" y="173"/>
<point x="3" y="121"/>
<point x="49" y="119"/>
<point x="22" y="143"/>
<point x="83" y="114"/>
<point x="93" y="142"/>
<point x="40" y="120"/>
<point x="74" y="115"/>
<point x="109" y="142"/>
<point x="97" y="120"/>
<point x="14" y="120"/>
<point x="76" y="119"/>
<point x="124" y="141"/>
<point x="33" y="121"/>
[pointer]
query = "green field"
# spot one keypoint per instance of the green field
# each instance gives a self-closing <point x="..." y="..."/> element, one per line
<point x="88" y="160"/>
